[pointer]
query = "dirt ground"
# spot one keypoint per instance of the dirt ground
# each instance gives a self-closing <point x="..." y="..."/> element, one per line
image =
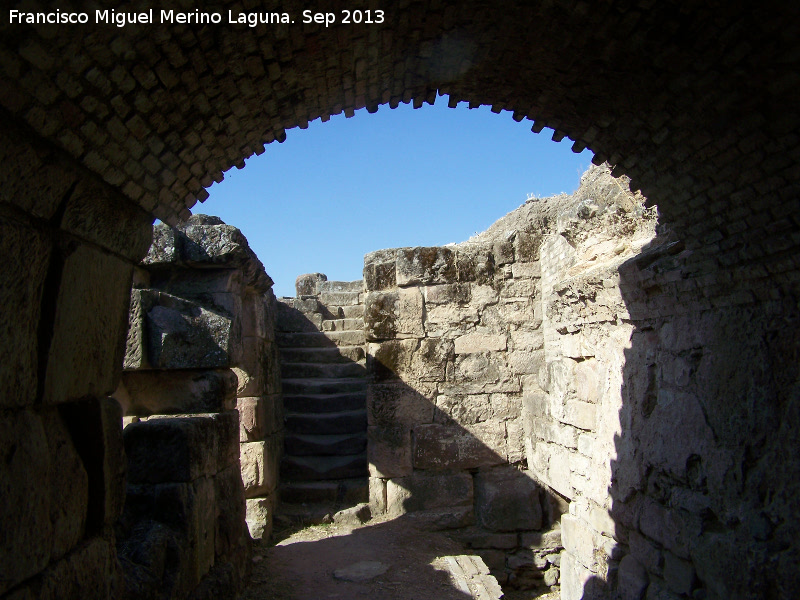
<point x="301" y="565"/>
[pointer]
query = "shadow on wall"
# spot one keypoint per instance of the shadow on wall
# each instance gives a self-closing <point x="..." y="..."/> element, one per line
<point x="434" y="460"/>
<point x="706" y="478"/>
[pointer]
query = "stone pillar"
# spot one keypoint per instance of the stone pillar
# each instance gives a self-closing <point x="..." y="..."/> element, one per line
<point x="200" y="346"/>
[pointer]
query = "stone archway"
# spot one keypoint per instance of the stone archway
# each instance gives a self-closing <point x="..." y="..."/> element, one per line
<point x="104" y="127"/>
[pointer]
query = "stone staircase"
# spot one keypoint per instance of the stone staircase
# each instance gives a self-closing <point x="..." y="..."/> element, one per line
<point x="323" y="371"/>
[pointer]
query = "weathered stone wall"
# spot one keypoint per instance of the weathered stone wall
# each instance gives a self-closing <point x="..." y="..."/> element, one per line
<point x="454" y="336"/>
<point x="69" y="245"/>
<point x="200" y="346"/>
<point x="696" y="100"/>
<point x="572" y="410"/>
<point x="663" y="423"/>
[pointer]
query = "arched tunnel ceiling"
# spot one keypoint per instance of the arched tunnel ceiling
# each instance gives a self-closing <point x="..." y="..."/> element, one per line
<point x="688" y="98"/>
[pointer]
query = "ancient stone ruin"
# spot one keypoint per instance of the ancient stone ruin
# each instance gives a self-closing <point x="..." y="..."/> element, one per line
<point x="479" y="387"/>
<point x="648" y="367"/>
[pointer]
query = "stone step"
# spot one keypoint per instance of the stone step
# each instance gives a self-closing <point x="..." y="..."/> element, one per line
<point x="325" y="445"/>
<point x="343" y="324"/>
<point x="289" y="318"/>
<point x="304" y="370"/>
<point x="340" y="298"/>
<point x="351" y="421"/>
<point x="318" y="468"/>
<point x="343" y="491"/>
<point x="342" y="286"/>
<point x="352" y="312"/>
<point x="341" y="354"/>
<point x="317" y="339"/>
<point x="297" y="387"/>
<point x="322" y="403"/>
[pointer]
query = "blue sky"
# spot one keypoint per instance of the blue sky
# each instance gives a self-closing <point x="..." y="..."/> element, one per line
<point x="337" y="190"/>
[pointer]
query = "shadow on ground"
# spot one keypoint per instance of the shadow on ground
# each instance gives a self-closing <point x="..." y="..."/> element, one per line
<point x="302" y="566"/>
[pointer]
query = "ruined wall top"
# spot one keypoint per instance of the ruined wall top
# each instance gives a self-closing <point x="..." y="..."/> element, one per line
<point x="206" y="242"/>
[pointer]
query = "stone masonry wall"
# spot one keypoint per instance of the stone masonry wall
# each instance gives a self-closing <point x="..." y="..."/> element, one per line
<point x="70" y="243"/>
<point x="664" y="423"/>
<point x="572" y="412"/>
<point x="201" y="378"/>
<point x="454" y="334"/>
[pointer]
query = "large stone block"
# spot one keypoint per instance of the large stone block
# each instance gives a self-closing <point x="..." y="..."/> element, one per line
<point x="40" y="177"/>
<point x="507" y="499"/>
<point x="448" y="293"/>
<point x="515" y="440"/>
<point x="479" y="368"/>
<point x="463" y="409"/>
<point x="448" y="320"/>
<point x="260" y="512"/>
<point x="389" y="451"/>
<point x="480" y="342"/>
<point x="69" y="487"/>
<point x="576" y="580"/>
<point x="260" y="373"/>
<point x="97" y="213"/>
<point x="391" y="404"/>
<point x="254" y="316"/>
<point x="438" y="447"/>
<point x="506" y="406"/>
<point x="526" y="362"/>
<point x="169" y="529"/>
<point x="217" y="290"/>
<point x="26" y="255"/>
<point x="580" y="414"/>
<point x="179" y="449"/>
<point x="587" y="380"/>
<point x="309" y="284"/>
<point x="289" y="318"/>
<point x="410" y="313"/>
<point x="381" y="311"/>
<point x="147" y="392"/>
<point x="380" y="270"/>
<point x="87" y="572"/>
<point x="430" y="360"/>
<point x="377" y="495"/>
<point x="588" y="547"/>
<point x="206" y="242"/>
<point x="253" y="423"/>
<point x="391" y="359"/>
<point x="25" y="497"/>
<point x="181" y="334"/>
<point x="86" y="350"/>
<point x="260" y="465"/>
<point x="475" y="264"/>
<point x="231" y="529"/>
<point x="422" y="491"/>
<point x="674" y="530"/>
<point x="426" y="265"/>
<point x="197" y="509"/>
<point x="112" y="461"/>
